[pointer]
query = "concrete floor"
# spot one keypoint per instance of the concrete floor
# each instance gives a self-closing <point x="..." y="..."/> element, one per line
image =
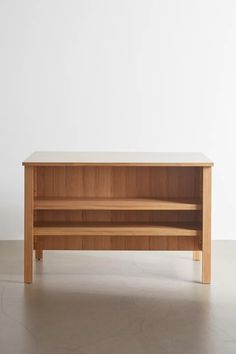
<point x="117" y="303"/>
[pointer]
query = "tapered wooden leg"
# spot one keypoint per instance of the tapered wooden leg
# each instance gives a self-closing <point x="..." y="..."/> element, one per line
<point x="38" y="254"/>
<point x="28" y="240"/>
<point x="206" y="226"/>
<point x="196" y="255"/>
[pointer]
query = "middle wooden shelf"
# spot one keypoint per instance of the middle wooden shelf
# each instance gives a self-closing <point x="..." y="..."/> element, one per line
<point x="66" y="203"/>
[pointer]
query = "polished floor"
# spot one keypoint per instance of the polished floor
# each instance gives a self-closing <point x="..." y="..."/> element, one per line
<point x="117" y="303"/>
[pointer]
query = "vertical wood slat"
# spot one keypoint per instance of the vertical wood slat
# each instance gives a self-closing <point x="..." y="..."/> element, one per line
<point x="206" y="226"/>
<point x="28" y="227"/>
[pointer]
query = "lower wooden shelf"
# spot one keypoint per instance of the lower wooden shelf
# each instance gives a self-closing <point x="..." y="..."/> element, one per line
<point x="122" y="229"/>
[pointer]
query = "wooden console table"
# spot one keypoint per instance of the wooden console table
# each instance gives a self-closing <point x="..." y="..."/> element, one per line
<point x="117" y="201"/>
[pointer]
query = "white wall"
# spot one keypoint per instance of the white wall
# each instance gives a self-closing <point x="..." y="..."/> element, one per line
<point x="117" y="75"/>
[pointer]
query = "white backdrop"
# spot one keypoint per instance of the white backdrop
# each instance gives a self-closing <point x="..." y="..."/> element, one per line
<point x="119" y="75"/>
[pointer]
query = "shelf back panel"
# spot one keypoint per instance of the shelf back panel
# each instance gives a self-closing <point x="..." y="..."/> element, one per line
<point x="118" y="182"/>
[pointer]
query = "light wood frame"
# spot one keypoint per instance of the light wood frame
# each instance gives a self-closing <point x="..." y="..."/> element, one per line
<point x="117" y="206"/>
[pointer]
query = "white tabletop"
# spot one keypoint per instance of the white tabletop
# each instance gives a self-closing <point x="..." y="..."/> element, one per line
<point x="41" y="158"/>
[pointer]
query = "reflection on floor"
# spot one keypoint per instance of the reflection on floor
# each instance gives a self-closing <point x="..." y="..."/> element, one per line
<point x="117" y="303"/>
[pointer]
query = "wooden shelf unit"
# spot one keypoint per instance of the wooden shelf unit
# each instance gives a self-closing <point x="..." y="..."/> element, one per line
<point x="117" y="201"/>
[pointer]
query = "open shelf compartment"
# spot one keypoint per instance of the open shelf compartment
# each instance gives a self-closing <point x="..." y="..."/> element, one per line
<point x="104" y="207"/>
